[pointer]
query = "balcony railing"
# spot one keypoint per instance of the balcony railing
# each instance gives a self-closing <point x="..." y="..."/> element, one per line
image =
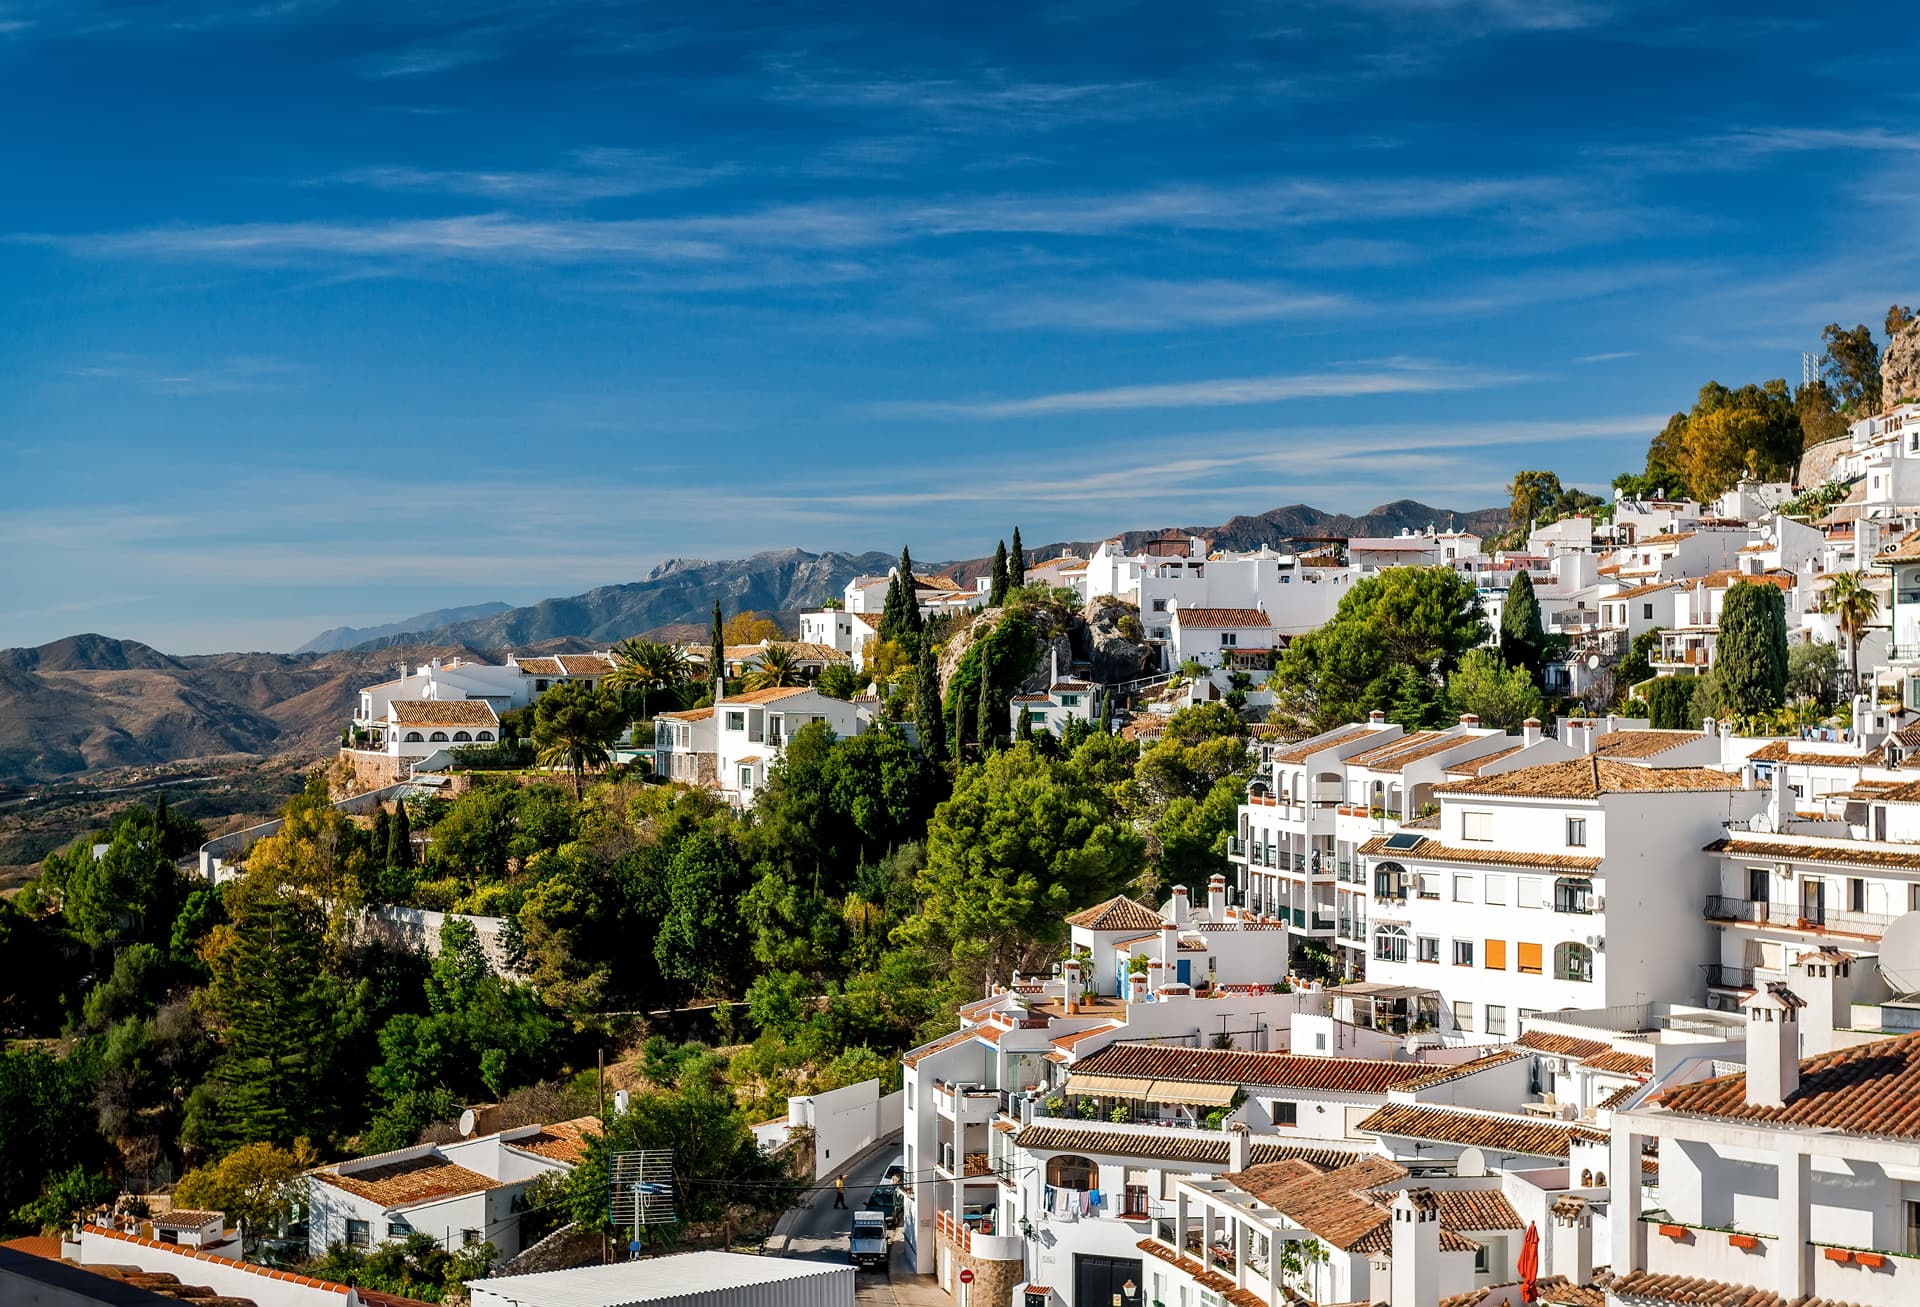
<point x="1236" y="847"/>
<point x="1724" y="977"/>
<point x="1816" y="916"/>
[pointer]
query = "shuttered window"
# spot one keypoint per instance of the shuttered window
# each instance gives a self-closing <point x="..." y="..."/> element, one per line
<point x="1529" y="959"/>
<point x="1496" y="955"/>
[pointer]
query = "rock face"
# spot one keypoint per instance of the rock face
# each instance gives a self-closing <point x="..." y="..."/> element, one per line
<point x="1100" y="635"/>
<point x="1116" y="645"/>
<point x="1900" y="368"/>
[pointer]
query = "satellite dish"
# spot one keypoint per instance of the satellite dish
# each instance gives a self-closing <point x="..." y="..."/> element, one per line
<point x="467" y="1121"/>
<point x="1593" y="661"/>
<point x="1471" y="1162"/>
<point x="1900" y="954"/>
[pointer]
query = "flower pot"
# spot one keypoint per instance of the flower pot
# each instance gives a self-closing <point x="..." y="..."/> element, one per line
<point x="1838" y="1254"/>
<point x="1873" y="1261"/>
<point x="1674" y="1231"/>
<point x="1746" y="1241"/>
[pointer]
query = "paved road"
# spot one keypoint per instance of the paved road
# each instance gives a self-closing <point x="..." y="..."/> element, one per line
<point x="819" y="1230"/>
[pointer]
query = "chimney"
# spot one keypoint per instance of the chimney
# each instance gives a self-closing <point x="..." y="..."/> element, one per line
<point x="1157" y="973"/>
<point x="1706" y="726"/>
<point x="1053" y="666"/>
<point x="1773" y="1045"/>
<point x="1572" y="1239"/>
<point x="1216" y="897"/>
<point x="1578" y="734"/>
<point x="1239" y="1147"/>
<point x="1181" y="910"/>
<point x="1070" y="984"/>
<point x="1826" y="982"/>
<point x="1376" y="719"/>
<point x="1415" y="1274"/>
<point x="1470" y="720"/>
<point x="1169" y="944"/>
<point x="1530" y="731"/>
<point x="1136" y="986"/>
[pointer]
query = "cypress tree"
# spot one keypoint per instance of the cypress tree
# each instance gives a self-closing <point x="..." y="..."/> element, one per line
<point x="1106" y="714"/>
<point x="960" y="722"/>
<point x="1522" y="637"/>
<point x="998" y="594"/>
<point x="1024" y="729"/>
<point x="1750" y="660"/>
<point x="928" y="716"/>
<point x="382" y="832"/>
<point x="1016" y="563"/>
<point x="717" y="664"/>
<point x="987" y="727"/>
<point x="400" y="837"/>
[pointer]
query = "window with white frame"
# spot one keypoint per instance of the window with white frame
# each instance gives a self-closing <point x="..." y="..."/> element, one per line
<point x="1477" y="826"/>
<point x="1463" y="1015"/>
<point x="1390" y="943"/>
<point x="1496" y="1019"/>
<point x="1429" y="947"/>
<point x="1576" y="832"/>
<point x="1228" y="639"/>
<point x="1494" y="890"/>
<point x="1462" y="889"/>
<point x="1462" y="952"/>
<point x="1526" y="893"/>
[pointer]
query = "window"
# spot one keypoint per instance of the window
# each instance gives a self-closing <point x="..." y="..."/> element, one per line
<point x="483" y="736"/>
<point x="1390" y="944"/>
<point x="1913" y="898"/>
<point x="1496" y="955"/>
<point x="1069" y="701"/>
<point x="462" y="737"/>
<point x="746" y="778"/>
<point x="1529" y="959"/>
<point x="1856" y="894"/>
<point x="1646" y="611"/>
<point x="1228" y="639"/>
<point x="1526" y="893"/>
<point x="1429" y="885"/>
<point x="398" y="1229"/>
<point x="1462" y="952"/>
<point x="1429" y="948"/>
<point x="1572" y="962"/>
<point x="1571" y="894"/>
<point x="468" y="1238"/>
<point x="1390" y="881"/>
<point x="1576" y="832"/>
<point x="1286" y="1113"/>
<point x="1476" y="826"/>
<point x="1496" y="1019"/>
<point x="1913" y="1229"/>
<point x="1159" y="605"/>
<point x="1463" y="1016"/>
<point x="736" y="721"/>
<point x="1463" y="889"/>
<point x="1069" y="1172"/>
<point x="1480" y="1266"/>
<point x="414" y="737"/>
<point x="438" y="737"/>
<point x="359" y="1234"/>
<point x="1496" y="889"/>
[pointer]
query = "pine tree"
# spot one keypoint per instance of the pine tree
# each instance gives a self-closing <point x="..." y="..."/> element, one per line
<point x="928" y="716"/>
<point x="1522" y="637"/>
<point x="997" y="595"/>
<point x="717" y="664"/>
<point x="400" y="837"/>
<point x="1016" y="563"/>
<point x="269" y="998"/>
<point x="1750" y="660"/>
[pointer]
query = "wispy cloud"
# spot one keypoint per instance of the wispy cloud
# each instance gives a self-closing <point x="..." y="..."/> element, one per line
<point x="595" y="174"/>
<point x="1611" y="357"/>
<point x="1390" y="377"/>
<point x="226" y="376"/>
<point x="1142" y="305"/>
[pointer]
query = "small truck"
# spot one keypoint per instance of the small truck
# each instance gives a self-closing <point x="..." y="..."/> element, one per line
<point x="868" y="1243"/>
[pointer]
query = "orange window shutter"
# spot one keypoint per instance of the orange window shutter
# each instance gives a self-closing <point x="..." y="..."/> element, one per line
<point x="1530" y="959"/>
<point x="1496" y="955"/>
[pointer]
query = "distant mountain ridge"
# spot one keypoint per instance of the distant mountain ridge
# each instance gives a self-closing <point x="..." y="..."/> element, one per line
<point x="346" y="637"/>
<point x="91" y="702"/>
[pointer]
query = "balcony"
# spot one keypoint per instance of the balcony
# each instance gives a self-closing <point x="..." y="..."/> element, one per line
<point x="1725" y="977"/>
<point x="1815" y="918"/>
<point x="1236" y="847"/>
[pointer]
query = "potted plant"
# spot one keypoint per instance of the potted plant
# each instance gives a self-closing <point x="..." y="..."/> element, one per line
<point x="1746" y="1241"/>
<point x="1675" y="1232"/>
<point x="1873" y="1261"/>
<point x="1837" y="1254"/>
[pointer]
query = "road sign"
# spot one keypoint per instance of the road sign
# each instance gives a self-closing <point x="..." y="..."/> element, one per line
<point x="966" y="1276"/>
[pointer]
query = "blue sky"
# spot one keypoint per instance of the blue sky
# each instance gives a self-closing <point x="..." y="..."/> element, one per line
<point x="315" y="313"/>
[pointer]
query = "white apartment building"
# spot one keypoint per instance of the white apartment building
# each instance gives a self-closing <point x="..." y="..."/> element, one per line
<point x="458" y="1194"/>
<point x="413" y="729"/>
<point x="1798" y="1176"/>
<point x="1500" y="905"/>
<point x="1691" y="632"/>
<point x="1229" y="638"/>
<point x="733" y="745"/>
<point x="543" y="673"/>
<point x="1065" y="699"/>
<point x="1123" y="945"/>
<point x="454" y="679"/>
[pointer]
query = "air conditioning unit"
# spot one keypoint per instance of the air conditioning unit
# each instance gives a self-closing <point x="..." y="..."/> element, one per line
<point x="1596" y="942"/>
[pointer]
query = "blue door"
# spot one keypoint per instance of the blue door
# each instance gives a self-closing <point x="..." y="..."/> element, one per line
<point x="1184" y="971"/>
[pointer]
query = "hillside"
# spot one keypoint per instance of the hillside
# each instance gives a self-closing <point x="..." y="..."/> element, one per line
<point x="346" y="637"/>
<point x="91" y="702"/>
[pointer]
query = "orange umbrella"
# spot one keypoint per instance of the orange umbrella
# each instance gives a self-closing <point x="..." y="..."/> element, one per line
<point x="1530" y="1265"/>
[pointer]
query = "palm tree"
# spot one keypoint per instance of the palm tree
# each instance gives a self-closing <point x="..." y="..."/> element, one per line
<point x="779" y="667"/>
<point x="1854" y="607"/>
<point x="646" y="667"/>
<point x="573" y="725"/>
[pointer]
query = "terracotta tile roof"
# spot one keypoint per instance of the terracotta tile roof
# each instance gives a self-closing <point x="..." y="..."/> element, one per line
<point x="1619" y="1096"/>
<point x="1201" y="1147"/>
<point x="410" y="1182"/>
<point x="1652" y="587"/>
<point x="1337" y="1206"/>
<point x="1645" y="1287"/>
<point x="1399" y="744"/>
<point x="539" y="667"/>
<point x="912" y="1056"/>
<point x="593" y="664"/>
<point x="1563" y="1045"/>
<point x="442" y="712"/>
<point x="35" y="1245"/>
<point x="265" y="1272"/>
<point x="1399" y="762"/>
<point x="1591" y="776"/>
<point x="1435" y="851"/>
<point x="184" y="1218"/>
<point x="1070" y="1040"/>
<point x="1783" y="751"/>
<point x="1869" y="1089"/>
<point x="1504" y="1134"/>
<point x="1352" y="1075"/>
<point x="1212" y="618"/>
<point x="1476" y="1209"/>
<point x="1117" y="913"/>
<point x="1618" y="1063"/>
<point x="1473" y="766"/>
<point x="1440" y="1075"/>
<point x="1906" y="550"/>
<point x="1643" y="744"/>
<point x="1304" y="749"/>
<point x="1555" y="1291"/>
<point x="689" y="715"/>
<point x="1205" y="1278"/>
<point x="764" y="696"/>
<point x="563" y="1141"/>
<point x="1783" y="850"/>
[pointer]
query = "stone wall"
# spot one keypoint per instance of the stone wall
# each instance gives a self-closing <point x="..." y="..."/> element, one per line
<point x="366" y="770"/>
<point x="993" y="1278"/>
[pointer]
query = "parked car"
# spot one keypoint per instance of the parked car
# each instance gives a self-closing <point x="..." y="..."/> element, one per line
<point x="885" y="1199"/>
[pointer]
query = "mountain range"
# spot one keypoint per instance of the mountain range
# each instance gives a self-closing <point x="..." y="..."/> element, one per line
<point x="346" y="637"/>
<point x="91" y="702"/>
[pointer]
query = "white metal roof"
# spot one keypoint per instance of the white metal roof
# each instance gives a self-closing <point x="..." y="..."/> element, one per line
<point x="651" y="1280"/>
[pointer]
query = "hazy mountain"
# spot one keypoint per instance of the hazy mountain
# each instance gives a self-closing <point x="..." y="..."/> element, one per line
<point x="346" y="637"/>
<point x="90" y="702"/>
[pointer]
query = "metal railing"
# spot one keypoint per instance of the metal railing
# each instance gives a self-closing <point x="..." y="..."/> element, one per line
<point x="1724" y="977"/>
<point x="1814" y="916"/>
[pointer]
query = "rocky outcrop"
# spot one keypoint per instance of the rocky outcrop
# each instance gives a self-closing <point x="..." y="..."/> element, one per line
<point x="1105" y="637"/>
<point x="1117" y="648"/>
<point x="1900" y="368"/>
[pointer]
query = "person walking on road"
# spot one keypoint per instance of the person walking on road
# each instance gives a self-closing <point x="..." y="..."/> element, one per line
<point x="840" y="1191"/>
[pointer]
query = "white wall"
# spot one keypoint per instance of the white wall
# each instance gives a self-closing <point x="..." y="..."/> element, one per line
<point x="845" y="1122"/>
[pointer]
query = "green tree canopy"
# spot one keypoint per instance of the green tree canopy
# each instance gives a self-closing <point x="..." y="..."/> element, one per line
<point x="1501" y="695"/>
<point x="573" y="725"/>
<point x="1523" y="638"/>
<point x="1750" y="659"/>
<point x="1670" y="704"/>
<point x="1850" y="366"/>
<point x="1728" y="434"/>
